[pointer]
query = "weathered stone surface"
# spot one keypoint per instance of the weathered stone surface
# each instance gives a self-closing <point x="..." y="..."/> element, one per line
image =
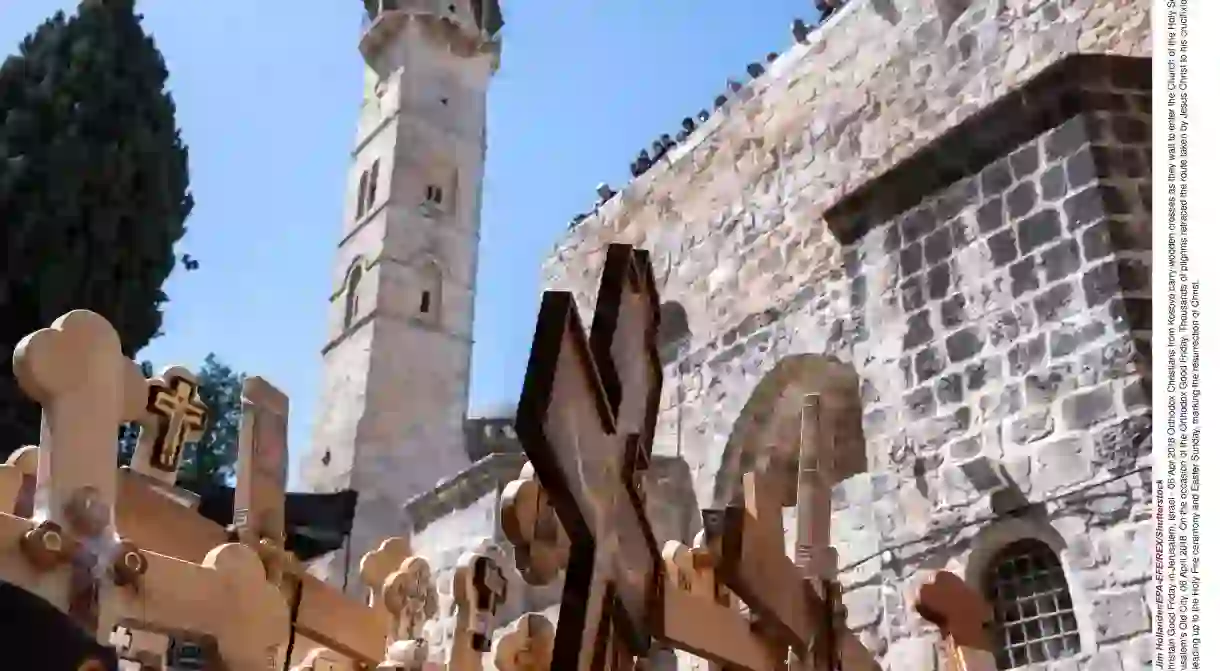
<point x="827" y="222"/>
<point x="1120" y="615"/>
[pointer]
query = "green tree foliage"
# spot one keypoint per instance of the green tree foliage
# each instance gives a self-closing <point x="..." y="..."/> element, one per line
<point x="213" y="460"/>
<point x="94" y="190"/>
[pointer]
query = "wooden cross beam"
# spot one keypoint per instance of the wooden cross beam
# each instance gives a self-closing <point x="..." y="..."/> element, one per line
<point x="962" y="615"/>
<point x="751" y="560"/>
<point x="586" y="418"/>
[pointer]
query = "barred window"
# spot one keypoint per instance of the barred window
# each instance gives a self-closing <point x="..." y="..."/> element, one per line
<point x="1035" y="621"/>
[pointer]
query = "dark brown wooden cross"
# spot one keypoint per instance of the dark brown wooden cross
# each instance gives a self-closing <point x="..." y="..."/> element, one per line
<point x="586" y="419"/>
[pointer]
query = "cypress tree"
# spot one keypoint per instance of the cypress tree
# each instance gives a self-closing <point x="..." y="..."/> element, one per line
<point x="94" y="190"/>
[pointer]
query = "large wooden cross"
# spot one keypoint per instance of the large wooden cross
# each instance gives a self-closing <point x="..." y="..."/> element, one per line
<point x="586" y="418"/>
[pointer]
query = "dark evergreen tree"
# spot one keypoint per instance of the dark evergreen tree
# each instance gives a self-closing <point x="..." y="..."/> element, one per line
<point x="213" y="460"/>
<point x="94" y="190"/>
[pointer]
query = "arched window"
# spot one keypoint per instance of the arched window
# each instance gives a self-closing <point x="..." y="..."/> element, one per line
<point x="361" y="189"/>
<point x="351" y="305"/>
<point x="1035" y="621"/>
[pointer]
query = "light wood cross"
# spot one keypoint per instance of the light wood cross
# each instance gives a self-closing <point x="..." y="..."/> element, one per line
<point x="173" y="417"/>
<point x="586" y="419"/>
<point x="698" y="614"/>
<point x="410" y="595"/>
<point x="76" y="370"/>
<point x="532" y="526"/>
<point x="376" y="567"/>
<point x="262" y="462"/>
<point x="753" y="563"/>
<point x="262" y="481"/>
<point x="526" y="646"/>
<point x="962" y="615"/>
<point x="480" y="589"/>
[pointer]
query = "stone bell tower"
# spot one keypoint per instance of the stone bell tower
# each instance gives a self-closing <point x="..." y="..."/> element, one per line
<point x="396" y="363"/>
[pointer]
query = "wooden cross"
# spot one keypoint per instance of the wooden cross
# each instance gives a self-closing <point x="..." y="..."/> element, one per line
<point x="410" y="595"/>
<point x="76" y="370"/>
<point x="753" y="563"/>
<point x="586" y="418"/>
<point x="962" y="615"/>
<point x="479" y="588"/>
<point x="174" y="417"/>
<point x="526" y="646"/>
<point x="816" y="558"/>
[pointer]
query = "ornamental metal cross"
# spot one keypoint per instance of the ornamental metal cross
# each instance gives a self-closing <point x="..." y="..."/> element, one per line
<point x="586" y="418"/>
<point x="178" y="416"/>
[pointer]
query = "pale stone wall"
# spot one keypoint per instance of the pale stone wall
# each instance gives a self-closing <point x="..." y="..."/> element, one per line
<point x="960" y="288"/>
<point x="1001" y="312"/>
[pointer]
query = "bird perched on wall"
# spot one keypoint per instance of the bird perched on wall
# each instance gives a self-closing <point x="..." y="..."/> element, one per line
<point x="668" y="142"/>
<point x="720" y="101"/>
<point x="688" y="125"/>
<point x="772" y="57"/>
<point x="703" y="116"/>
<point x="733" y="85"/>
<point x="755" y="70"/>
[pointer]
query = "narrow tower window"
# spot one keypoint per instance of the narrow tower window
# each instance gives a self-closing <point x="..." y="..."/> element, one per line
<point x="360" y="191"/>
<point x="351" y="306"/>
<point x="430" y="295"/>
<point x="372" y="192"/>
<point x="435" y="195"/>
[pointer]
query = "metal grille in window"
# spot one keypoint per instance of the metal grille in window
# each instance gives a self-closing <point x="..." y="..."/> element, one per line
<point x="1035" y="621"/>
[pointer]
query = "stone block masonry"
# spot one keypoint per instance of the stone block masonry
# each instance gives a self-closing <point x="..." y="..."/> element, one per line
<point x="953" y="212"/>
<point x="936" y="214"/>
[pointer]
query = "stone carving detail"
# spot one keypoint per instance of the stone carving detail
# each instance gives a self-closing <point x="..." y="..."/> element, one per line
<point x="532" y="526"/>
<point x="526" y="646"/>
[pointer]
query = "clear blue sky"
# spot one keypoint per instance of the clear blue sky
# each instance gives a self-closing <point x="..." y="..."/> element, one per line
<point x="268" y="94"/>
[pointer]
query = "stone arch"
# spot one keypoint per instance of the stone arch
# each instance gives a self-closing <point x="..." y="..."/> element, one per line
<point x="767" y="431"/>
<point x="351" y="292"/>
<point x="1008" y="537"/>
<point x="431" y="292"/>
<point x="673" y="333"/>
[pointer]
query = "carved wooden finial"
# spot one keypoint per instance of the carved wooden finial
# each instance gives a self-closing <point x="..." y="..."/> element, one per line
<point x="962" y="615"/>
<point x="376" y="566"/>
<point x="527" y="645"/>
<point x="410" y="595"/>
<point x="532" y="526"/>
<point x="479" y="589"/>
